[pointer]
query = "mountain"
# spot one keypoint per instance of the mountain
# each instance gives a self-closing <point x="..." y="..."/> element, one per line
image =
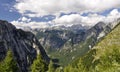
<point x="68" y="44"/>
<point x="57" y="37"/>
<point x="24" y="45"/>
<point x="103" y="57"/>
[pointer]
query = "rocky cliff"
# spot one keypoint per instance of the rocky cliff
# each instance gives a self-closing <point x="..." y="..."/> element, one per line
<point x="67" y="45"/>
<point x="24" y="45"/>
<point x="57" y="38"/>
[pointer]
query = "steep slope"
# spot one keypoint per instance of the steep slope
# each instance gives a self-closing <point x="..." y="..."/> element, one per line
<point x="66" y="45"/>
<point x="105" y="56"/>
<point x="24" y="45"/>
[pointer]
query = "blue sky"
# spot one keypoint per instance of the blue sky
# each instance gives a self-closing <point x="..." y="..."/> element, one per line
<point x="58" y="12"/>
<point x="5" y="14"/>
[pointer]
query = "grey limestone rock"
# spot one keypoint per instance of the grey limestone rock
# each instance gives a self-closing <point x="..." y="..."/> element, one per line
<point x="24" y="45"/>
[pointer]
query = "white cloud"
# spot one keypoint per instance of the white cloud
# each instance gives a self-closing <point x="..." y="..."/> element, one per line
<point x="114" y="14"/>
<point x="24" y="19"/>
<point x="89" y="20"/>
<point x="33" y="24"/>
<point x="37" y="8"/>
<point x="69" y="20"/>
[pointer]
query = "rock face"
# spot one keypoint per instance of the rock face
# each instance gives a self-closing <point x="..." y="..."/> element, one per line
<point x="24" y="45"/>
<point x="72" y="44"/>
<point x="56" y="39"/>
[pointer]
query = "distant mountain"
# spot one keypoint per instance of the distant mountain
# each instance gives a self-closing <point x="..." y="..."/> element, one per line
<point x="23" y="45"/>
<point x="104" y="56"/>
<point x="67" y="44"/>
<point x="56" y="37"/>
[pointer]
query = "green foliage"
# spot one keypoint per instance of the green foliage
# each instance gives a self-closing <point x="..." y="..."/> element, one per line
<point x="104" y="57"/>
<point x="39" y="65"/>
<point x="70" y="69"/>
<point x="60" y="69"/>
<point x="51" y="67"/>
<point x="8" y="64"/>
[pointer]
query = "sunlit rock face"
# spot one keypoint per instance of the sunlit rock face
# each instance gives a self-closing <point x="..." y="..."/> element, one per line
<point x="24" y="45"/>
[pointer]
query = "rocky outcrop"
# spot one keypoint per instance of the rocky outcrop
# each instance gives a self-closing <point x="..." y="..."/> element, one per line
<point x="53" y="38"/>
<point x="24" y="45"/>
<point x="56" y="39"/>
<point x="69" y="44"/>
<point x="97" y="32"/>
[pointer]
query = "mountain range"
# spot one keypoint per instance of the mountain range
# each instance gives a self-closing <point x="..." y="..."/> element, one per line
<point x="103" y="57"/>
<point x="63" y="45"/>
<point x="67" y="43"/>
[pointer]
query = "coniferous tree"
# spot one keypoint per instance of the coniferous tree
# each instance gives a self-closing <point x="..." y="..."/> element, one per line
<point x="59" y="69"/>
<point x="51" y="67"/>
<point x="8" y="64"/>
<point x="39" y="65"/>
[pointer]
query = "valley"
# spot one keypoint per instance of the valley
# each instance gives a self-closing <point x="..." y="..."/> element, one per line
<point x="67" y="45"/>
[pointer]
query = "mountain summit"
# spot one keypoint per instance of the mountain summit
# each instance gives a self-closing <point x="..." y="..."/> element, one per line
<point x="68" y="44"/>
<point x="23" y="45"/>
<point x="103" y="57"/>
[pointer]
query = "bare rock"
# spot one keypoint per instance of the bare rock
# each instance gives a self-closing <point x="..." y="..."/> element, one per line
<point x="24" y="45"/>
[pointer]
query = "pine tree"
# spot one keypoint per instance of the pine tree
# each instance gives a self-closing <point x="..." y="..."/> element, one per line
<point x="39" y="65"/>
<point x="8" y="64"/>
<point x="51" y="67"/>
<point x="59" y="69"/>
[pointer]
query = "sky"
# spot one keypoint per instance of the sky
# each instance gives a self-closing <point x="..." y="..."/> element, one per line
<point x="49" y="13"/>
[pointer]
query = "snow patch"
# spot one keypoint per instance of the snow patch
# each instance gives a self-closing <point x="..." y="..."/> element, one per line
<point x="101" y="35"/>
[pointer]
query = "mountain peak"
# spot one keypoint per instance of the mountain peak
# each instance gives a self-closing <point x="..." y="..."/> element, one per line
<point x="24" y="45"/>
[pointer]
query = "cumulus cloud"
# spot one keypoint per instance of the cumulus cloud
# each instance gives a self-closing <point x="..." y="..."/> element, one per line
<point x="32" y="24"/>
<point x="113" y="15"/>
<point x="37" y="8"/>
<point x="27" y="23"/>
<point x="89" y="20"/>
<point x="24" y="19"/>
<point x="69" y="20"/>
